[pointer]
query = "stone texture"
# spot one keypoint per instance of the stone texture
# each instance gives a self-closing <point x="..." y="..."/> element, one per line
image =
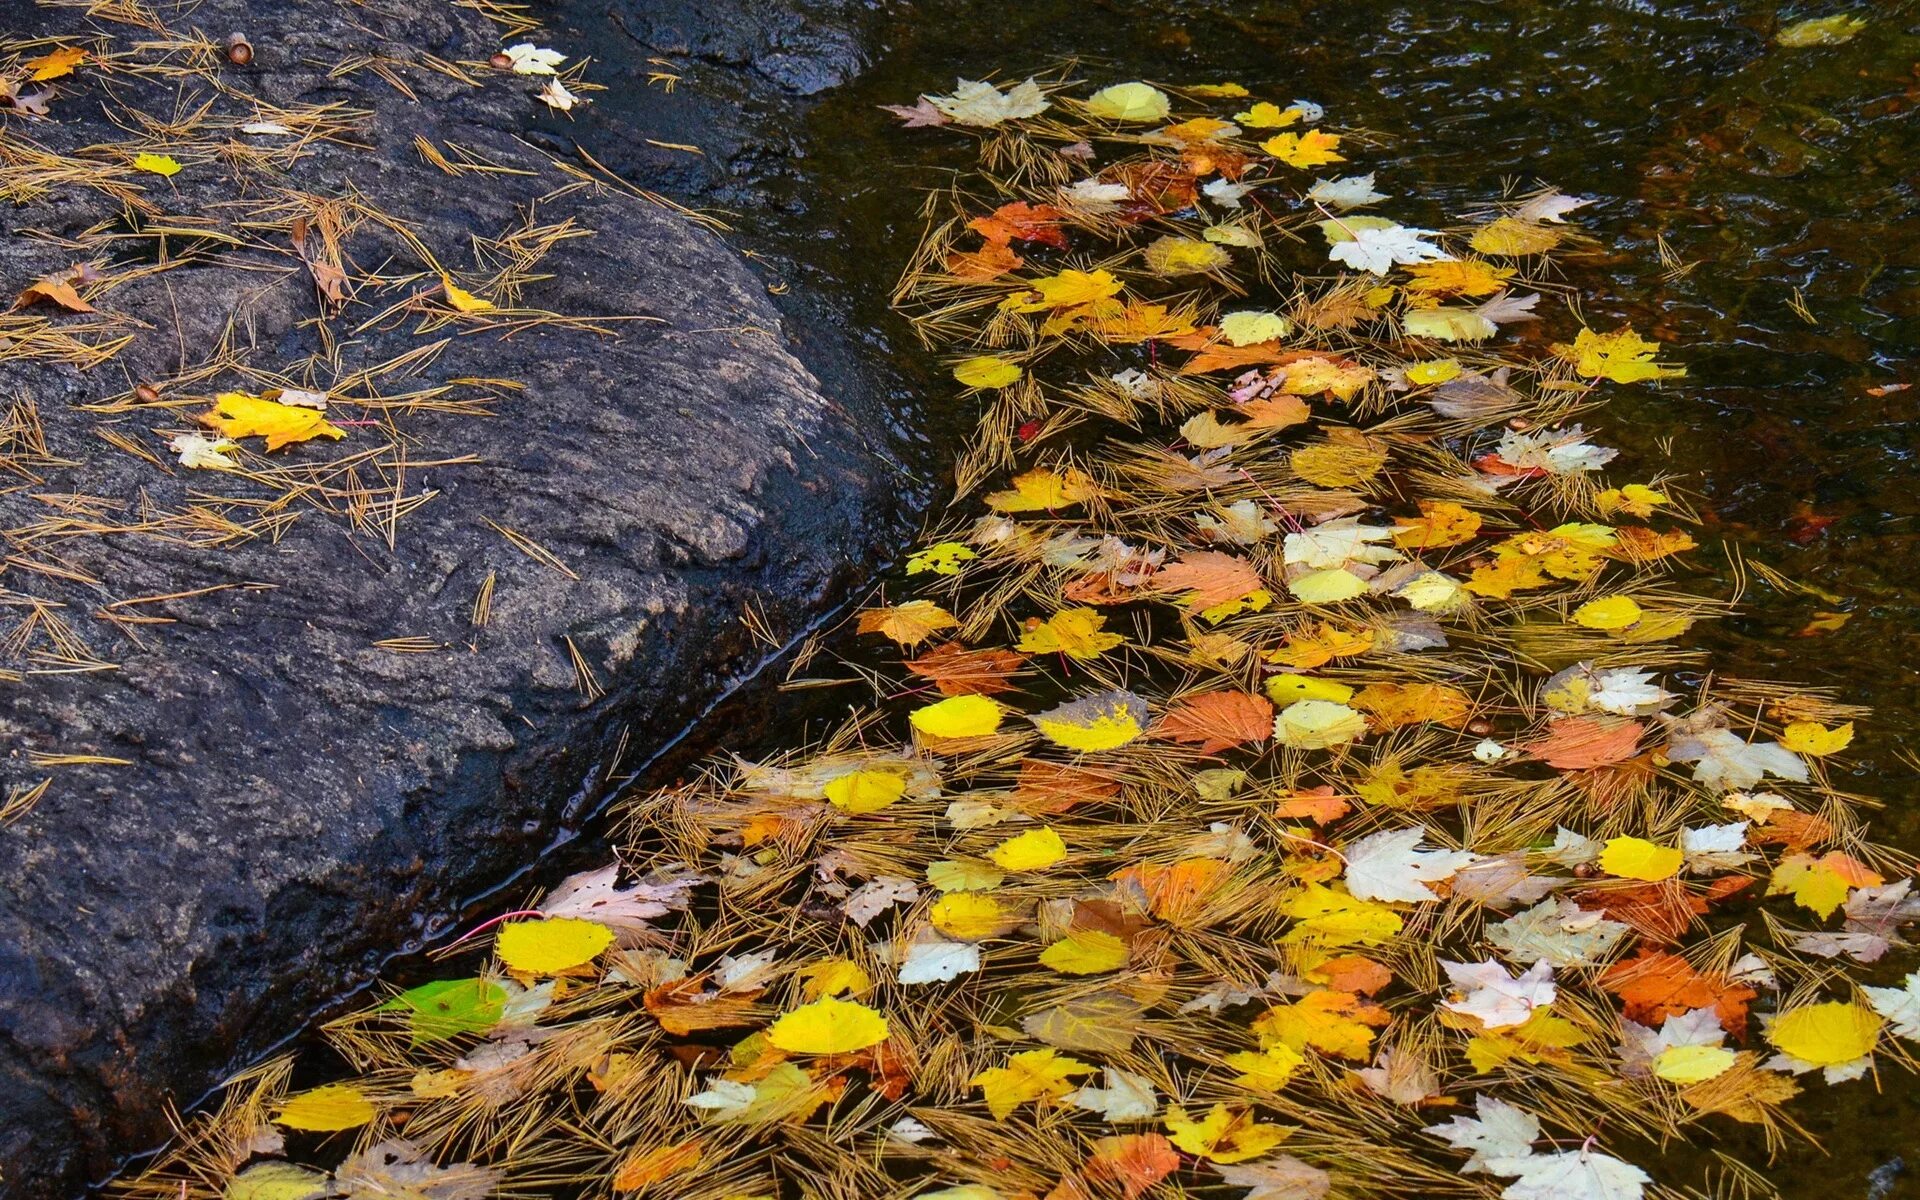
<point x="298" y="801"/>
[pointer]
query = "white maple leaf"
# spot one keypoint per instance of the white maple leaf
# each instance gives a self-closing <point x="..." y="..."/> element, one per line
<point x="1900" y="1006"/>
<point x="1627" y="692"/>
<point x="1501" y="1131"/>
<point x="555" y="95"/>
<point x="398" y="1168"/>
<point x="877" y="896"/>
<point x="1556" y="931"/>
<point x="910" y="1131"/>
<point x="1724" y="760"/>
<point x="1378" y="250"/>
<point x="1353" y="191"/>
<point x="529" y="59"/>
<point x="1226" y="193"/>
<point x="1094" y="197"/>
<point x="936" y="960"/>
<point x="203" y="453"/>
<point x="595" y="896"/>
<point x="1642" y="1046"/>
<point x="1127" y="1097"/>
<point x="1506" y="308"/>
<point x="743" y="972"/>
<point x="1333" y="544"/>
<point x="1571" y="849"/>
<point x="981" y="104"/>
<point x="1311" y="112"/>
<point x="1497" y="998"/>
<point x="1282" y="1178"/>
<point x="726" y="1099"/>
<point x="1503" y="881"/>
<point x="1711" y="848"/>
<point x="1570" y="1175"/>
<point x="1242" y="523"/>
<point x="1401" y="1076"/>
<point x="1390" y="866"/>
<point x="1874" y="916"/>
<point x="1551" y="205"/>
<point x="1555" y="451"/>
<point x="265" y="127"/>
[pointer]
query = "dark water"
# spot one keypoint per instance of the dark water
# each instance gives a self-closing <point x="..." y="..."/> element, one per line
<point x="1786" y="181"/>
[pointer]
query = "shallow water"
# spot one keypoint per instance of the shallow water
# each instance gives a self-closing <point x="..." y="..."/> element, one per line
<point x="1783" y="180"/>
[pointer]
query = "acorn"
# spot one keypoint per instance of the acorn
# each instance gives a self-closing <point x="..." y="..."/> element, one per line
<point x="239" y="49"/>
<point x="147" y="393"/>
<point x="500" y="60"/>
<point x="1519" y="424"/>
<point x="1480" y="727"/>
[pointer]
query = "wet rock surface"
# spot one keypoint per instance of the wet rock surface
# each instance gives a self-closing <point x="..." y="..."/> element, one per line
<point x="292" y="718"/>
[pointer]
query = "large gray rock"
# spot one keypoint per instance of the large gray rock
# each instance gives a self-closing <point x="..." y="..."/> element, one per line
<point x="292" y="794"/>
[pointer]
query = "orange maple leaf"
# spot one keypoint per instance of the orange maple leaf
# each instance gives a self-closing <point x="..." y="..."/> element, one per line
<point x="1217" y="721"/>
<point x="1656" y="985"/>
<point x="958" y="671"/>
<point x="1577" y="743"/>
<point x="1135" y="1161"/>
<point x="1209" y="577"/>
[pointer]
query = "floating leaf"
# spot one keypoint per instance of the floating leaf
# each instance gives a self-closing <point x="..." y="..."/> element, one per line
<point x="552" y="946"/>
<point x="828" y="1026"/>
<point x="326" y="1109"/>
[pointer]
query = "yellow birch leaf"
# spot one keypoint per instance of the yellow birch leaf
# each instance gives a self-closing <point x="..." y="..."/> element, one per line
<point x="1637" y="858"/>
<point x="1317" y="724"/>
<point x="552" y="945"/>
<point x="277" y="1180"/>
<point x="958" y="717"/>
<point x="859" y="792"/>
<point x="326" y="1109"/>
<point x="1608" y="613"/>
<point x="828" y="1026"/>
<point x="1251" y="327"/>
<point x="1285" y="689"/>
<point x="1137" y="102"/>
<point x="1691" y="1064"/>
<point x="969" y="916"/>
<point x="1327" y="587"/>
<point x="159" y="164"/>
<point x="986" y="371"/>
<point x="1510" y="237"/>
<point x="1172" y="255"/>
<point x="1085" y="952"/>
<point x="1103" y="721"/>
<point x="1034" y="850"/>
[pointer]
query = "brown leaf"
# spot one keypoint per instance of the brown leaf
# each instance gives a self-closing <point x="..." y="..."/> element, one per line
<point x="958" y="671"/>
<point x="684" y="1007"/>
<point x="57" y="288"/>
<point x="1046" y="787"/>
<point x="1217" y="721"/>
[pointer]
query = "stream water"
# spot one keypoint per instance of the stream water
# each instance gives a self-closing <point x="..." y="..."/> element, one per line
<point x="1763" y="209"/>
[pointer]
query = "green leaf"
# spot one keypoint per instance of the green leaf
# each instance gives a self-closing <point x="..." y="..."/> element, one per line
<point x="447" y="1008"/>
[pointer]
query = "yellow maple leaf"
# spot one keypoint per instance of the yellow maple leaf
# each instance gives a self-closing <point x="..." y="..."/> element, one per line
<point x="1317" y="725"/>
<point x="941" y="558"/>
<point x="326" y="1109"/>
<point x="1813" y="883"/>
<point x="1456" y="277"/>
<point x="1542" y="1037"/>
<point x="463" y="300"/>
<point x="1331" y="1022"/>
<point x="1043" y="490"/>
<point x="55" y="64"/>
<point x="828" y="1026"/>
<point x="1085" y="952"/>
<point x="1074" y="632"/>
<point x="1621" y="356"/>
<point x="1330" y="918"/>
<point x="1811" y="737"/>
<point x="550" y="946"/>
<point x="1309" y="149"/>
<point x="1266" y="115"/>
<point x="958" y="717"/>
<point x="238" y="414"/>
<point x="1637" y="858"/>
<point x="1827" y="1034"/>
<point x="1029" y="1075"/>
<point x="1269" y="1069"/>
<point x="1068" y="289"/>
<point x="1636" y="499"/>
<point x="1440" y="523"/>
<point x="910" y="623"/>
<point x="1224" y="1135"/>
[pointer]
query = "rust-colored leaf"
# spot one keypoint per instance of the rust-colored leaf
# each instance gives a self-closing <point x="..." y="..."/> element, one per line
<point x="1656" y="985"/>
<point x="1135" y="1161"/>
<point x="1208" y="577"/>
<point x="958" y="671"/>
<point x="1577" y="743"/>
<point x="1217" y="721"/>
